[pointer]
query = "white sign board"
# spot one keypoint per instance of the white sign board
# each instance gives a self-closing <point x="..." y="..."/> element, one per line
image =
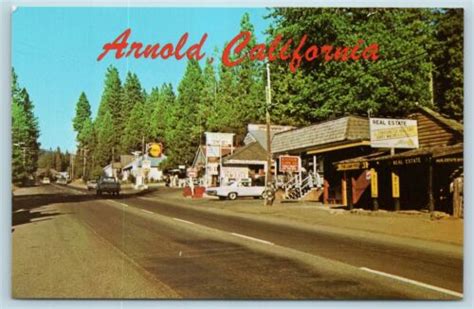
<point x="222" y="139"/>
<point x="235" y="172"/>
<point x="263" y="127"/>
<point x="393" y="133"/>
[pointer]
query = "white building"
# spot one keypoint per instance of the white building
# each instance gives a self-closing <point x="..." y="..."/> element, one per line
<point x="150" y="166"/>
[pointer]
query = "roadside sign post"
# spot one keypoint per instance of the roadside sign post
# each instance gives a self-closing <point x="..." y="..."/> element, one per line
<point x="374" y="188"/>
<point x="396" y="190"/>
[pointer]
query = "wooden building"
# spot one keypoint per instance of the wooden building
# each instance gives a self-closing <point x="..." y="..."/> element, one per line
<point x="249" y="161"/>
<point x="421" y="178"/>
<point x="322" y="144"/>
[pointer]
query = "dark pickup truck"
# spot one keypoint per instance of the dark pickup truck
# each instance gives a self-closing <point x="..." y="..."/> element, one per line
<point x="108" y="185"/>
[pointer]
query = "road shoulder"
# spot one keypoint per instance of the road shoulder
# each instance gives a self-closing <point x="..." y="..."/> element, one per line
<point x="60" y="257"/>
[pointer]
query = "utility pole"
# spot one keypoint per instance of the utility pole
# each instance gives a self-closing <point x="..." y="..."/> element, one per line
<point x="268" y="175"/>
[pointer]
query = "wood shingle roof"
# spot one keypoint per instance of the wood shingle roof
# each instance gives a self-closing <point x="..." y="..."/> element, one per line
<point x="349" y="128"/>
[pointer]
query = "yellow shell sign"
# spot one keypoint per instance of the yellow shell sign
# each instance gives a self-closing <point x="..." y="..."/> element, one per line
<point x="155" y="150"/>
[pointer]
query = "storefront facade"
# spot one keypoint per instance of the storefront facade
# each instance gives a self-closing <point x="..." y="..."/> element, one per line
<point x="418" y="179"/>
<point x="322" y="144"/>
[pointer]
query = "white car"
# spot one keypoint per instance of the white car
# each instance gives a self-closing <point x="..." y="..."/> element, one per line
<point x="235" y="189"/>
<point x="45" y="181"/>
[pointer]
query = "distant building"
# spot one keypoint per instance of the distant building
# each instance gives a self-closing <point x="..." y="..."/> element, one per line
<point x="112" y="170"/>
<point x="250" y="161"/>
<point x="151" y="165"/>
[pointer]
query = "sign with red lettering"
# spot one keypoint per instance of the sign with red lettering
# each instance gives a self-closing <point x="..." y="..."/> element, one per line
<point x="289" y="164"/>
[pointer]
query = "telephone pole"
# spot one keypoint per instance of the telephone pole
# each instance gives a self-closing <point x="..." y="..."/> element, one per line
<point x="268" y="173"/>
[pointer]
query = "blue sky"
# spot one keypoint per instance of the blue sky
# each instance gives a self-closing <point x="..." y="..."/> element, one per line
<point x="55" y="50"/>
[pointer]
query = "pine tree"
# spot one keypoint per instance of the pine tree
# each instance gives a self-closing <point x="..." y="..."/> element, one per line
<point x="19" y="135"/>
<point x="58" y="160"/>
<point x="208" y="96"/>
<point x="448" y="60"/>
<point x="83" y="113"/>
<point x="25" y="133"/>
<point x="226" y="114"/>
<point x="185" y="136"/>
<point x="133" y="94"/>
<point x="106" y="145"/>
<point x="135" y="130"/>
<point x="112" y="104"/>
<point x="250" y="82"/>
<point x="82" y="124"/>
<point x="164" y="114"/>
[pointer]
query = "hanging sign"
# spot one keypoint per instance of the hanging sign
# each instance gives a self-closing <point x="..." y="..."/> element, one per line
<point x="289" y="164"/>
<point x="374" y="183"/>
<point x="393" y="133"/>
<point x="395" y="185"/>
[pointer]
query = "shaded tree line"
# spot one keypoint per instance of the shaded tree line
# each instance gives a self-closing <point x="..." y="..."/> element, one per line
<point x="54" y="160"/>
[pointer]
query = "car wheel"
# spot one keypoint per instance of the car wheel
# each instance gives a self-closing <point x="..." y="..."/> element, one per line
<point x="232" y="196"/>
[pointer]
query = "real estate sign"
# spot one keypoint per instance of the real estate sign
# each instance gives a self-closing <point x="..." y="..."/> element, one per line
<point x="393" y="133"/>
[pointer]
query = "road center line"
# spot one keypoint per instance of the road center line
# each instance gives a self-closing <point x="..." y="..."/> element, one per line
<point x="146" y="211"/>
<point x="122" y="204"/>
<point x="184" y="221"/>
<point x="253" y="238"/>
<point x="425" y="285"/>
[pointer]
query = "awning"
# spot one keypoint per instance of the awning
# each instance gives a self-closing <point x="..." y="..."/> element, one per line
<point x="452" y="154"/>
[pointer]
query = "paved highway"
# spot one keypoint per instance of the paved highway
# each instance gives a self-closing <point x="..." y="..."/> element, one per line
<point x="205" y="254"/>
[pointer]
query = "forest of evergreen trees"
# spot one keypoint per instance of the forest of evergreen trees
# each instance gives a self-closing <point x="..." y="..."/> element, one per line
<point x="421" y="59"/>
<point x="421" y="62"/>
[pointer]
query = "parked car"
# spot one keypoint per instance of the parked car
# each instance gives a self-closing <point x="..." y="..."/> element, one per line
<point x="108" y="185"/>
<point x="45" y="181"/>
<point x="61" y="181"/>
<point x="91" y="184"/>
<point x="235" y="189"/>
